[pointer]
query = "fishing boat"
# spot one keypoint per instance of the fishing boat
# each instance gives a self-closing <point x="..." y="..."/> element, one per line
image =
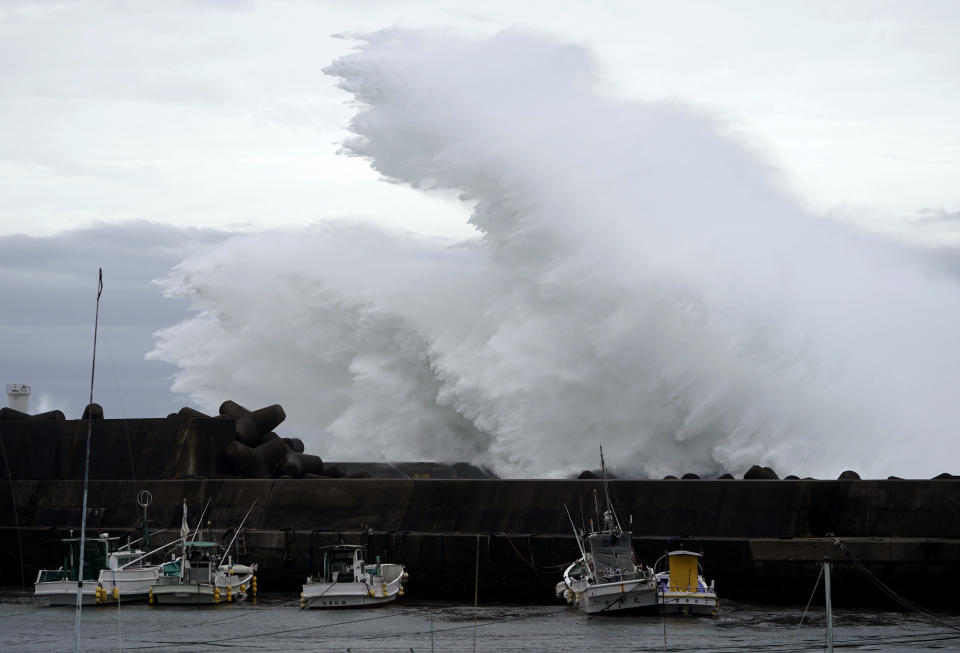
<point x="109" y="572"/>
<point x="606" y="578"/>
<point x="346" y="581"/>
<point x="681" y="587"/>
<point x="59" y="586"/>
<point x="195" y="584"/>
<point x="236" y="581"/>
<point x="204" y="574"/>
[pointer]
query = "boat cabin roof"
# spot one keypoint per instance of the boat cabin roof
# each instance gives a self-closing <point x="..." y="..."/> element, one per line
<point x="103" y="544"/>
<point x="92" y="539"/>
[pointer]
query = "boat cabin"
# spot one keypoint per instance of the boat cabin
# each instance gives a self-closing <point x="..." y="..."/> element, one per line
<point x="684" y="567"/>
<point x="200" y="561"/>
<point x="342" y="564"/>
<point x="96" y="551"/>
<point x="612" y="556"/>
<point x="124" y="557"/>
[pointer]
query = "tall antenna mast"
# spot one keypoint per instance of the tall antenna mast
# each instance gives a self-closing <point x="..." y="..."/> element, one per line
<point x="86" y="472"/>
<point x="606" y="492"/>
<point x="603" y="477"/>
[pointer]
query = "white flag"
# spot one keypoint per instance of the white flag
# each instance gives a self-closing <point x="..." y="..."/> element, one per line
<point x="184" y="528"/>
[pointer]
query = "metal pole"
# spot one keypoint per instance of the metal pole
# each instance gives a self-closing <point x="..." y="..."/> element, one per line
<point x="146" y="530"/>
<point x="86" y="472"/>
<point x="826" y="588"/>
<point x="476" y="593"/>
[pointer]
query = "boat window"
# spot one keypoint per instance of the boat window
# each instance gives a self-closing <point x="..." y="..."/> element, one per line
<point x="94" y="558"/>
<point x="339" y="562"/>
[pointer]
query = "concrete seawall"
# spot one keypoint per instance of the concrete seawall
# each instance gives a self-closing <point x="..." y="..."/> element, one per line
<point x="121" y="448"/>
<point x="763" y="540"/>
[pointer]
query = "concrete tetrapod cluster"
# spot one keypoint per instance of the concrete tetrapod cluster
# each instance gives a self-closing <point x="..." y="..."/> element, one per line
<point x="11" y="414"/>
<point x="258" y="452"/>
<point x="761" y="473"/>
<point x="90" y="411"/>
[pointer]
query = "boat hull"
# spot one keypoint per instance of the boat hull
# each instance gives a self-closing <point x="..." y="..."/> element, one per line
<point x="185" y="594"/>
<point x="611" y="598"/>
<point x="348" y="595"/>
<point x="238" y="579"/>
<point x="636" y="594"/>
<point x="133" y="584"/>
<point x="64" y="592"/>
<point x="696" y="599"/>
<point x="689" y="603"/>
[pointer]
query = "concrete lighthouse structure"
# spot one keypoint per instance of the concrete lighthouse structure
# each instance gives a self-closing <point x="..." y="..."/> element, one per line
<point x="18" y="397"/>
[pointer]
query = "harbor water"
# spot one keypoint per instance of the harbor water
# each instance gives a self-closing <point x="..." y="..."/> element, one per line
<point x="274" y="623"/>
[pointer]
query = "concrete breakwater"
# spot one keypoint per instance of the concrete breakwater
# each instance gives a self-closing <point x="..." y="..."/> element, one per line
<point x="762" y="539"/>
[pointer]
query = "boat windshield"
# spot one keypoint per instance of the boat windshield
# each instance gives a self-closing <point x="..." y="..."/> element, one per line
<point x="201" y="554"/>
<point x="94" y="557"/>
<point x="338" y="562"/>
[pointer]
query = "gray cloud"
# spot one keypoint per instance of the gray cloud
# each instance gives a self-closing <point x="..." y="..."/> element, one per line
<point x="47" y="304"/>
<point x="938" y="215"/>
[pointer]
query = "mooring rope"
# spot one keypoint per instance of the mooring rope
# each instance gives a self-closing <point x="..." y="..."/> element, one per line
<point x="905" y="602"/>
<point x="810" y="600"/>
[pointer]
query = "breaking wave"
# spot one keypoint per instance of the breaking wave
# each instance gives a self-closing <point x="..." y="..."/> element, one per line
<point x="638" y="280"/>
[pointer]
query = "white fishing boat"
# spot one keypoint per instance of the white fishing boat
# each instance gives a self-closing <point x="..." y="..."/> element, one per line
<point x="606" y="578"/>
<point x="204" y="575"/>
<point x="195" y="584"/>
<point x="110" y="572"/>
<point x="346" y="581"/>
<point x="59" y="586"/>
<point x="681" y="586"/>
<point x="236" y="581"/>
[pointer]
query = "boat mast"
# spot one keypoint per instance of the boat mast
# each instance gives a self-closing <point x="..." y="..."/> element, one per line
<point x="583" y="551"/>
<point x="237" y="532"/>
<point x="596" y="511"/>
<point x="144" y="499"/>
<point x="86" y="471"/>
<point x="196" y="531"/>
<point x="184" y="531"/>
<point x="606" y="495"/>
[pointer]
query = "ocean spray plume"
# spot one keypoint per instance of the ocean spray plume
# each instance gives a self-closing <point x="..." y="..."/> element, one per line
<point x="639" y="281"/>
<point x="305" y="325"/>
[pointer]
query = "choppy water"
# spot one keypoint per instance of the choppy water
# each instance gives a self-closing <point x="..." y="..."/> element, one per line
<point x="273" y="623"/>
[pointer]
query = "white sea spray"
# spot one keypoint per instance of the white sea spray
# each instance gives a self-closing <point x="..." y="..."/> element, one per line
<point x="638" y="280"/>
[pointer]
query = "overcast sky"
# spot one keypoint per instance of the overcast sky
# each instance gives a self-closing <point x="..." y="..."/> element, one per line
<point x="132" y="134"/>
<point x="48" y="301"/>
<point x="217" y="114"/>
